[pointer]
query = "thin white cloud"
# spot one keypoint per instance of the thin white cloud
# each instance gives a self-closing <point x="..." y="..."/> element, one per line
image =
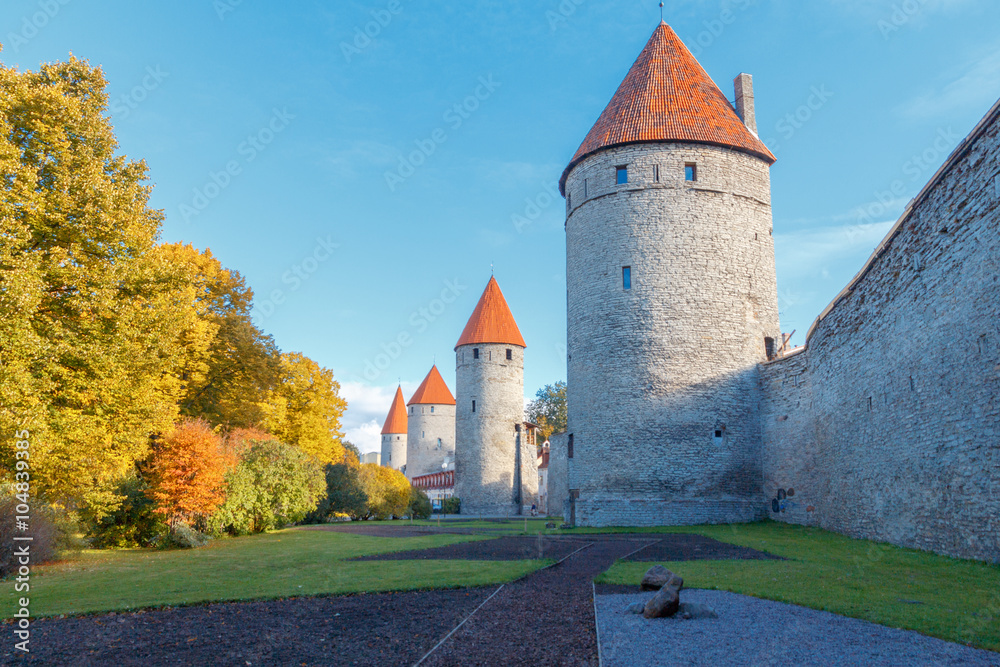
<point x="816" y="253"/>
<point x="345" y="161"/>
<point x="978" y="87"/>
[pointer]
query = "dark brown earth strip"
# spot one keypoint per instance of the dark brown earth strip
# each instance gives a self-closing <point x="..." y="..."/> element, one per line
<point x="500" y="548"/>
<point x="680" y="546"/>
<point x="547" y="618"/>
<point x="375" y="629"/>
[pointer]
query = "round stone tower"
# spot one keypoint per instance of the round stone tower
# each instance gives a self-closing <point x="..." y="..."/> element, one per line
<point x="671" y="299"/>
<point x="394" y="433"/>
<point x="495" y="473"/>
<point x="430" y="426"/>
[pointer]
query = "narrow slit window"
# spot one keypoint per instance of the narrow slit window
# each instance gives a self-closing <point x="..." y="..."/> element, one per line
<point x="621" y="175"/>
<point x="510" y="355"/>
<point x="626" y="277"/>
<point x="475" y="353"/>
<point x="769" y="349"/>
<point x="473" y="405"/>
<point x="690" y="171"/>
<point x="585" y="188"/>
<point x="656" y="173"/>
<point x="569" y="447"/>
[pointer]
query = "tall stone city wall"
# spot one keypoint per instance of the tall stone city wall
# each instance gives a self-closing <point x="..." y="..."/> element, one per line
<point x="426" y="424"/>
<point x="394" y="450"/>
<point x="656" y="370"/>
<point x="888" y="425"/>
<point x="486" y="462"/>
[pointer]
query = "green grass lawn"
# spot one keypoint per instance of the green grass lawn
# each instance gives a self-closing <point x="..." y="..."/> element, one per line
<point x="959" y="600"/>
<point x="281" y="564"/>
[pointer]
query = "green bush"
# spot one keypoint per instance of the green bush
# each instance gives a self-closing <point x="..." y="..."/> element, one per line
<point x="132" y="524"/>
<point x="273" y="485"/>
<point x="184" y="536"/>
<point x="344" y="494"/>
<point x="451" y="505"/>
<point x="420" y="504"/>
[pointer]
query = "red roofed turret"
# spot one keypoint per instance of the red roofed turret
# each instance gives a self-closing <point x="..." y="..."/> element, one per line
<point x="668" y="96"/>
<point x="396" y="421"/>
<point x="432" y="390"/>
<point x="491" y="321"/>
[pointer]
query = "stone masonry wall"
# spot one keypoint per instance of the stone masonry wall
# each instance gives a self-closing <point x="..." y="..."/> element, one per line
<point x="394" y="450"/>
<point x="558" y="476"/>
<point x="888" y="425"/>
<point x="486" y="452"/>
<point x="426" y="424"/>
<point x="656" y="371"/>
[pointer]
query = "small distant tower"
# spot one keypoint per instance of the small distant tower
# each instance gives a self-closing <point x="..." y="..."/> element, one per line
<point x="394" y="434"/>
<point x="495" y="473"/>
<point x="671" y="299"/>
<point x="431" y="426"/>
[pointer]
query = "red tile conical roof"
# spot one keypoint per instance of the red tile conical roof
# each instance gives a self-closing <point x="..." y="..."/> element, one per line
<point x="668" y="96"/>
<point x="396" y="421"/>
<point x="432" y="390"/>
<point x="491" y="321"/>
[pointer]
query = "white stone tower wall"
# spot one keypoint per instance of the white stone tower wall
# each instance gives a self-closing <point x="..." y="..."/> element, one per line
<point x="656" y="370"/>
<point x="486" y="452"/>
<point x="425" y="425"/>
<point x="394" y="450"/>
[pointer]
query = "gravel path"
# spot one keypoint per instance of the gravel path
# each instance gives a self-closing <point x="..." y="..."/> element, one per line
<point x="751" y="631"/>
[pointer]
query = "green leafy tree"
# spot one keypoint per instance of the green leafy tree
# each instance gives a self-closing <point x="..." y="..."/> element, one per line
<point x="133" y="523"/>
<point x="420" y="504"/>
<point x="273" y="485"/>
<point x="88" y="322"/>
<point x="344" y="493"/>
<point x="548" y="410"/>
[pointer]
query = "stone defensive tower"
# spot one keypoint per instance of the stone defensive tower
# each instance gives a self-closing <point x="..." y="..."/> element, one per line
<point x="671" y="299"/>
<point x="495" y="474"/>
<point x="431" y="426"/>
<point x="394" y="434"/>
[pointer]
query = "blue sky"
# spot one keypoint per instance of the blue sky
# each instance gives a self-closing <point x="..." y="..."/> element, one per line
<point x="269" y="130"/>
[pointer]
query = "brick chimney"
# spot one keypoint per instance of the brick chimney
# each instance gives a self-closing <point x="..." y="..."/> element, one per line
<point x="743" y="85"/>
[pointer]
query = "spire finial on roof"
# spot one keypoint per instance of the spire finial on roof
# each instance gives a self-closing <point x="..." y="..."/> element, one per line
<point x="661" y="11"/>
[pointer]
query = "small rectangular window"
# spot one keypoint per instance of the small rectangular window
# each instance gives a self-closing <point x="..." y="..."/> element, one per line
<point x="510" y="355"/>
<point x="475" y="353"/>
<point x="473" y="405"/>
<point x="769" y="347"/>
<point x="627" y="277"/>
<point x="569" y="448"/>
<point x="690" y="171"/>
<point x="621" y="175"/>
<point x="656" y="173"/>
<point x="432" y="409"/>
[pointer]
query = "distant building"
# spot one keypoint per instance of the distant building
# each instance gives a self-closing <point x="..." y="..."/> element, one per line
<point x="437" y="486"/>
<point x="372" y="457"/>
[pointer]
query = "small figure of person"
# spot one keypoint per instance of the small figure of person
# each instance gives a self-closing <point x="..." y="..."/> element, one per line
<point x="534" y="510"/>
